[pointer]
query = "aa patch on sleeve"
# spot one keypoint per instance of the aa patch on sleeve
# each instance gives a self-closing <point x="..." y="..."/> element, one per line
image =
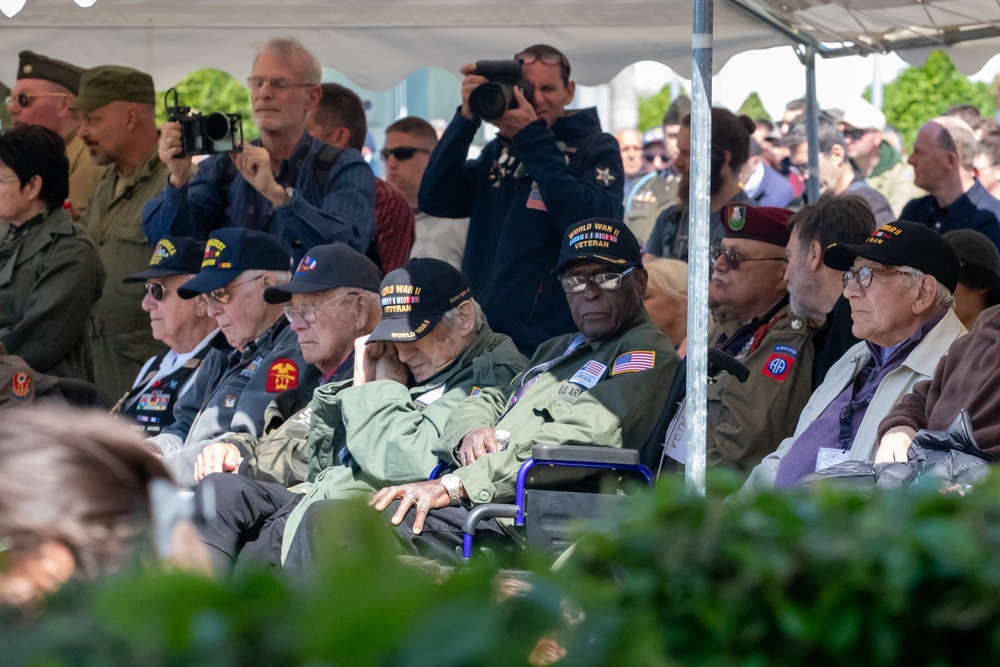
<point x="283" y="374"/>
<point x="779" y="364"/>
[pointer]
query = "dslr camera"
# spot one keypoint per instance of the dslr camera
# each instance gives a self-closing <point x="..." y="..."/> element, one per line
<point x="491" y="100"/>
<point x="206" y="134"/>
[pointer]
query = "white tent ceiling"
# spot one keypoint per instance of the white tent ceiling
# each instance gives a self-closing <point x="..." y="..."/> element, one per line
<point x="378" y="42"/>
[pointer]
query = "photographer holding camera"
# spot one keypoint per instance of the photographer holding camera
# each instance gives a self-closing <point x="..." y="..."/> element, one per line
<point x="547" y="170"/>
<point x="287" y="184"/>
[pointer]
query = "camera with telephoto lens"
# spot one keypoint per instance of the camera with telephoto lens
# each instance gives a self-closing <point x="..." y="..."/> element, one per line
<point x="205" y="134"/>
<point x="491" y="100"/>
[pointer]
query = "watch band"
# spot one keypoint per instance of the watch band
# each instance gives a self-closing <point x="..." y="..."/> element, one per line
<point x="453" y="485"/>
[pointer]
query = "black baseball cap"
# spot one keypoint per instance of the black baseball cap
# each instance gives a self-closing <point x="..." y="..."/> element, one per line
<point x="328" y="267"/>
<point x="416" y="296"/>
<point x="602" y="240"/>
<point x="173" y="256"/>
<point x="975" y="249"/>
<point x="901" y="243"/>
<point x="231" y="251"/>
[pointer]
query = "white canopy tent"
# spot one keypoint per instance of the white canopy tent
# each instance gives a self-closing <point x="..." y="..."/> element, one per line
<point x="378" y="42"/>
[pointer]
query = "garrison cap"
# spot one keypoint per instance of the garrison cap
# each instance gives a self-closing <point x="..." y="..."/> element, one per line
<point x="32" y="65"/>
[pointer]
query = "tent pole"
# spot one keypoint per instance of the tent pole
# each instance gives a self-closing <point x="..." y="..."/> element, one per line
<point x="812" y="125"/>
<point x="698" y="260"/>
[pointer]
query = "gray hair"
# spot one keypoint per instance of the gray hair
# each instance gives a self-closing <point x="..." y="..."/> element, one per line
<point x="292" y="51"/>
<point x="448" y="319"/>
<point x="943" y="298"/>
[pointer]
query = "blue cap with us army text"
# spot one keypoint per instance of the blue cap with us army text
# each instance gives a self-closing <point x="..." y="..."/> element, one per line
<point x="603" y="240"/>
<point x="416" y="296"/>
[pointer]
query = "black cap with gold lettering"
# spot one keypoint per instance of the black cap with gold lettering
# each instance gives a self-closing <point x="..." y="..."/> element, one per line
<point x="602" y="240"/>
<point x="416" y="296"/>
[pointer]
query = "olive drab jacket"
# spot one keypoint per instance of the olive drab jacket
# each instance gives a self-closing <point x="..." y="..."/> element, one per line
<point x="608" y="393"/>
<point x="49" y="280"/>
<point x="746" y="421"/>
<point x="120" y="335"/>
<point x="383" y="433"/>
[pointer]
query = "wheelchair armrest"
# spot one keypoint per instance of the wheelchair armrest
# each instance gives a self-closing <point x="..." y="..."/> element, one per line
<point x="479" y="514"/>
<point x="585" y="454"/>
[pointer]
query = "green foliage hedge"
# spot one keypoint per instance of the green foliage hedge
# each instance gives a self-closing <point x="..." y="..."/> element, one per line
<point x="819" y="577"/>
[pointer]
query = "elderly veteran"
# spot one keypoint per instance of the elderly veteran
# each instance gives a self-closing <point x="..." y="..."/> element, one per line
<point x="258" y="359"/>
<point x="431" y="350"/>
<point x="605" y="386"/>
<point x="334" y="300"/>
<point x="183" y="324"/>
<point x="755" y="325"/>
<point x="899" y="284"/>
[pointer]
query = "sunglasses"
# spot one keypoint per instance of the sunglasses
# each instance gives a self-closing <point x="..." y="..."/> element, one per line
<point x="545" y="58"/>
<point x="651" y="157"/>
<point x="607" y="282"/>
<point x="854" y="134"/>
<point x="734" y="259"/>
<point x="279" y="84"/>
<point x="155" y="290"/>
<point x="24" y="99"/>
<point x="308" y="313"/>
<point x="223" y="294"/>
<point x="401" y="153"/>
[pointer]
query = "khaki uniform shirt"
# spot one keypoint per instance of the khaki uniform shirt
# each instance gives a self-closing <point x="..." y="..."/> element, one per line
<point x="746" y="421"/>
<point x="84" y="175"/>
<point x="121" y="338"/>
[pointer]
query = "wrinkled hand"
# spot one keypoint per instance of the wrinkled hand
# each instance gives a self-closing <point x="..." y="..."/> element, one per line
<point x="514" y="120"/>
<point x="476" y="443"/>
<point x="894" y="445"/>
<point x="364" y="366"/>
<point x="469" y="83"/>
<point x="217" y="457"/>
<point x="168" y="148"/>
<point x="254" y="163"/>
<point x="425" y="496"/>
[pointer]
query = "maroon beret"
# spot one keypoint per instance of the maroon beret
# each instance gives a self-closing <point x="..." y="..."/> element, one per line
<point x="757" y="223"/>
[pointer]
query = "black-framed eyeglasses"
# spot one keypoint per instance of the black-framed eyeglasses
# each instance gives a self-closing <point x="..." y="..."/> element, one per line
<point x="854" y="133"/>
<point x="401" y="153"/>
<point x="280" y="83"/>
<point x="224" y="293"/>
<point x="24" y="99"/>
<point x="308" y="313"/>
<point x="864" y="275"/>
<point x="156" y="290"/>
<point x="546" y="58"/>
<point x="734" y="259"/>
<point x="607" y="282"/>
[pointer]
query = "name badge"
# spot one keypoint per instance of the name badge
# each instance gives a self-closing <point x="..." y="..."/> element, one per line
<point x="589" y="374"/>
<point x="830" y="456"/>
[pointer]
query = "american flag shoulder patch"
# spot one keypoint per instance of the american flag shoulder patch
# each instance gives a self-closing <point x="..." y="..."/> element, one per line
<point x="535" y="199"/>
<point x="633" y="362"/>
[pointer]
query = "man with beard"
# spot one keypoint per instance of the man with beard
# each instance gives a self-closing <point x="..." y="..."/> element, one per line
<point x="730" y="151"/>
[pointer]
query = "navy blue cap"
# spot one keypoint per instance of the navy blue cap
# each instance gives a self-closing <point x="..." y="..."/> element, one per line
<point x="328" y="267"/>
<point x="416" y="296"/>
<point x="231" y="251"/>
<point x="172" y="256"/>
<point x="602" y="240"/>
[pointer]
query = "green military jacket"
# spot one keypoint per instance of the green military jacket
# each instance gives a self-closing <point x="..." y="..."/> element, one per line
<point x="84" y="175"/>
<point x="648" y="198"/>
<point x="608" y="393"/>
<point x="747" y="421"/>
<point x="49" y="281"/>
<point x="383" y="433"/>
<point x="121" y="338"/>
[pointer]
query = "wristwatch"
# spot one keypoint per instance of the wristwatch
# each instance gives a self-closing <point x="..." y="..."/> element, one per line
<point x="453" y="485"/>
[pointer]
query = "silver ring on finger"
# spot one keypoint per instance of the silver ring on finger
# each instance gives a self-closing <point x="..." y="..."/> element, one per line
<point x="409" y="496"/>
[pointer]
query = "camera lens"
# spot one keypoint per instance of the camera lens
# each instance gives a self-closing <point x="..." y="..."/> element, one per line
<point x="489" y="101"/>
<point x="217" y="126"/>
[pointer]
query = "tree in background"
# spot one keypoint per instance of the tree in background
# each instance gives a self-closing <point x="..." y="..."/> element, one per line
<point x="921" y="93"/>
<point x="652" y="107"/>
<point x="753" y="107"/>
<point x="209" y="90"/>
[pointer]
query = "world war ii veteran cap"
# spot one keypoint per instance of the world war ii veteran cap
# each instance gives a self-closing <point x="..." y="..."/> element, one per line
<point x="328" y="267"/>
<point x="415" y="297"/>
<point x="600" y="240"/>
<point x="172" y="256"/>
<point x="231" y="251"/>
<point x="113" y="83"/>
<point x="901" y="243"/>
<point x="756" y="223"/>
<point x="32" y="65"/>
